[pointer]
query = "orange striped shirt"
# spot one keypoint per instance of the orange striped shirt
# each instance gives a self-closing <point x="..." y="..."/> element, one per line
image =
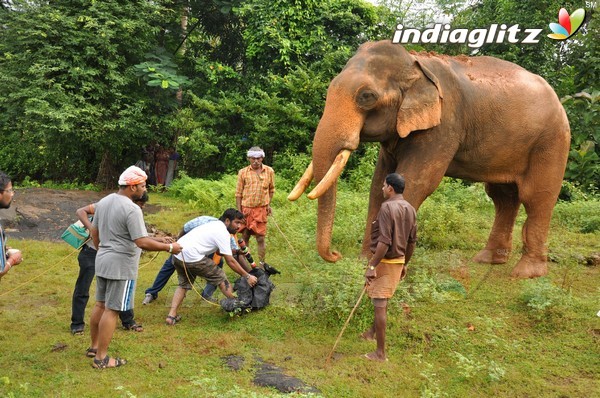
<point x="254" y="188"/>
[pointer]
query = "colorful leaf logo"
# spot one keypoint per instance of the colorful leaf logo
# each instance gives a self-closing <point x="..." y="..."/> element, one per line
<point x="567" y="25"/>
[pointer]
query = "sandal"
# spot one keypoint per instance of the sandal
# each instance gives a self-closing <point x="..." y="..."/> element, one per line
<point x="77" y="332"/>
<point x="135" y="327"/>
<point x="104" y="363"/>
<point x="91" y="352"/>
<point x="172" y="320"/>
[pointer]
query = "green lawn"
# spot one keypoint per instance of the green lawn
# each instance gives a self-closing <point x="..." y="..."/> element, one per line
<point x="455" y="328"/>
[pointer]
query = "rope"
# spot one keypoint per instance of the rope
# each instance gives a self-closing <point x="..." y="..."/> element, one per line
<point x="149" y="261"/>
<point x="38" y="276"/>
<point x="289" y="244"/>
<point x="346" y="324"/>
<point x="193" y="286"/>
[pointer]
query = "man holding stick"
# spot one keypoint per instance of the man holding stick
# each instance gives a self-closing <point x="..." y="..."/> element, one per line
<point x="393" y="238"/>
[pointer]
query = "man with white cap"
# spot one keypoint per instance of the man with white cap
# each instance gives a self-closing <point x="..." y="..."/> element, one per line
<point x="119" y="233"/>
<point x="253" y="196"/>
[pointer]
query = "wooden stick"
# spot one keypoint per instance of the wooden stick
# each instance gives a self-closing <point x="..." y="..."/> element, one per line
<point x="346" y="324"/>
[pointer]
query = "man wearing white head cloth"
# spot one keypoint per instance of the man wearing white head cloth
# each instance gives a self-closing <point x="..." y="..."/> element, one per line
<point x="119" y="233"/>
<point x="253" y="196"/>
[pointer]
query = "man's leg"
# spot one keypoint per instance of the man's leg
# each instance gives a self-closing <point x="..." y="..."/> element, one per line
<point x="97" y="312"/>
<point x="246" y="235"/>
<point x="106" y="328"/>
<point x="178" y="297"/>
<point x="379" y="326"/>
<point x="128" y="321"/>
<point x="81" y="294"/>
<point x="262" y="250"/>
<point x="226" y="289"/>
<point x="161" y="279"/>
<point x="208" y="291"/>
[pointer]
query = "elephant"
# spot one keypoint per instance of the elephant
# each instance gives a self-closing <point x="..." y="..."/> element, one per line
<point x="479" y="118"/>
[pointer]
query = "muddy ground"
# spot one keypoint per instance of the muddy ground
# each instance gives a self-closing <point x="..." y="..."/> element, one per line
<point x="43" y="214"/>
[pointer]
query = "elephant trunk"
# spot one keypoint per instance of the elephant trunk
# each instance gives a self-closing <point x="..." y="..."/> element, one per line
<point x="325" y="217"/>
<point x="335" y="139"/>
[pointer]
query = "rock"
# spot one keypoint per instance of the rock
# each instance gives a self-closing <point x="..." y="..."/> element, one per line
<point x="234" y="362"/>
<point x="269" y="375"/>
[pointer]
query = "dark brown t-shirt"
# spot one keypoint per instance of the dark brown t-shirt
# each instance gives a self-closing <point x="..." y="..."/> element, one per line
<point x="395" y="226"/>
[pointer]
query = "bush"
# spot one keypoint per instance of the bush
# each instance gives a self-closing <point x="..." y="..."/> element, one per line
<point x="210" y="196"/>
<point x="543" y="299"/>
<point x="579" y="216"/>
<point x="452" y="213"/>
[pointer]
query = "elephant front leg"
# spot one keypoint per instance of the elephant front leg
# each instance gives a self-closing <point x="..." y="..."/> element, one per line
<point x="499" y="245"/>
<point x="385" y="165"/>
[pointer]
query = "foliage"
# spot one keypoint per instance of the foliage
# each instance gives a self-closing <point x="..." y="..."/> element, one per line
<point x="68" y="94"/>
<point x="85" y="82"/>
<point x="160" y="71"/>
<point x="445" y="216"/>
<point x="580" y="216"/>
<point x="281" y="34"/>
<point x="543" y="299"/>
<point x="583" y="110"/>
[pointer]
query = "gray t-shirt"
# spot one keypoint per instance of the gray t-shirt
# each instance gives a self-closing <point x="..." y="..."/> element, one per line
<point x="120" y="222"/>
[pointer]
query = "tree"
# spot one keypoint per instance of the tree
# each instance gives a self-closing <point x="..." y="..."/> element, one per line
<point x="69" y="97"/>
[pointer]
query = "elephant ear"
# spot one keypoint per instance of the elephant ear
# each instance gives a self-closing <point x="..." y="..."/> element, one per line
<point x="421" y="107"/>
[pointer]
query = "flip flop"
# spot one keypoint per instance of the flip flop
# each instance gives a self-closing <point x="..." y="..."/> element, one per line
<point x="91" y="352"/>
<point x="362" y="336"/>
<point x="104" y="363"/>
<point x="172" y="320"/>
<point x="374" y="359"/>
<point x="136" y="327"/>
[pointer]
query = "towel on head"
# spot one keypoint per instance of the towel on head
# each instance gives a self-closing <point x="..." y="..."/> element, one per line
<point x="132" y="176"/>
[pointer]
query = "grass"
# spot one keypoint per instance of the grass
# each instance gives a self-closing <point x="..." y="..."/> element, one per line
<point x="455" y="328"/>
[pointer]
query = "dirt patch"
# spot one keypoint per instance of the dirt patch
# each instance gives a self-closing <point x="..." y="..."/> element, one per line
<point x="43" y="214"/>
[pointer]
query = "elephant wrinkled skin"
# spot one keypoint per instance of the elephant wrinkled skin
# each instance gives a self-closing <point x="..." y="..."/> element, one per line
<point x="475" y="118"/>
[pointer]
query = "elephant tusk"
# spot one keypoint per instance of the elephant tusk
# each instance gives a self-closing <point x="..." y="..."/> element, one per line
<point x="302" y="183"/>
<point x="332" y="174"/>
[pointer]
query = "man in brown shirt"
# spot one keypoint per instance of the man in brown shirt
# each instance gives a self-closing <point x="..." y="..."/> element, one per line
<point x="393" y="238"/>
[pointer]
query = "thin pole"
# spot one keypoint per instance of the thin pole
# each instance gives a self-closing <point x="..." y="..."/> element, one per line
<point x="346" y="324"/>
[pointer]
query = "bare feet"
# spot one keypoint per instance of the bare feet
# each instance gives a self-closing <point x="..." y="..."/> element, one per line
<point x="373" y="356"/>
<point x="368" y="335"/>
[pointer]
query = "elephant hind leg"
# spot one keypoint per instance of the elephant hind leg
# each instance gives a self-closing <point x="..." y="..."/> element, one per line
<point x="506" y="202"/>
<point x="538" y="205"/>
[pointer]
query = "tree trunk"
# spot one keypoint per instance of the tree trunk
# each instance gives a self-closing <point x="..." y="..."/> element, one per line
<point x="107" y="177"/>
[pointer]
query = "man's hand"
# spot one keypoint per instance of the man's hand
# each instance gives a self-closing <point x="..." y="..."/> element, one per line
<point x="15" y="256"/>
<point x="252" y="280"/>
<point x="269" y="210"/>
<point x="177" y="248"/>
<point x="370" y="274"/>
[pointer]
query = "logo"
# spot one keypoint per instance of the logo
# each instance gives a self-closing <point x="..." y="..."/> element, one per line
<point x="567" y="24"/>
<point x="443" y="33"/>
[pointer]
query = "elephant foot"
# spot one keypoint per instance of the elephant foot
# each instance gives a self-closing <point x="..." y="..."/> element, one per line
<point x="492" y="256"/>
<point x="529" y="267"/>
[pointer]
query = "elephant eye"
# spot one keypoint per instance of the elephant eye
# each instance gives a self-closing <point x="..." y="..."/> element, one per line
<point x="366" y="99"/>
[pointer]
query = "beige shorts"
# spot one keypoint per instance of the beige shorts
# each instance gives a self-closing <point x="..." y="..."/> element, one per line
<point x="385" y="283"/>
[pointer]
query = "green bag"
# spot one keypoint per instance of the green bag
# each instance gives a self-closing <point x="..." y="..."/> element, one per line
<point x="76" y="235"/>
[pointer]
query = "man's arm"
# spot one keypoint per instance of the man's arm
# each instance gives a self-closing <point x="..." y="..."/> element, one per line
<point x="410" y="249"/>
<point x="380" y="251"/>
<point x="154" y="245"/>
<point x="95" y="236"/>
<point x="237" y="268"/>
<point x="83" y="214"/>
